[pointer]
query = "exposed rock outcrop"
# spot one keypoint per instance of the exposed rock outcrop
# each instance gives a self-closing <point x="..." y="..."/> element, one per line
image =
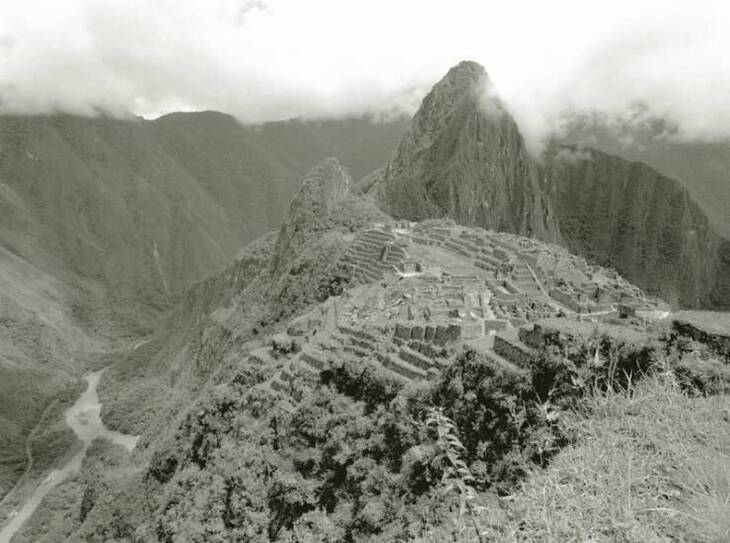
<point x="464" y="158"/>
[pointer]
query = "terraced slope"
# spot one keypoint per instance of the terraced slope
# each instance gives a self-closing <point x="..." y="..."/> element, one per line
<point x="412" y="315"/>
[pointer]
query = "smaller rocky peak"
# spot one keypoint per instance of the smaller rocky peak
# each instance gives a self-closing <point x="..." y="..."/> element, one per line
<point x="325" y="190"/>
<point x="326" y="184"/>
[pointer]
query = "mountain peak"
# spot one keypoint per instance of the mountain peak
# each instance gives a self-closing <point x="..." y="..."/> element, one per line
<point x="324" y="191"/>
<point x="465" y="70"/>
<point x="462" y="81"/>
<point x="328" y="180"/>
<point x="464" y="158"/>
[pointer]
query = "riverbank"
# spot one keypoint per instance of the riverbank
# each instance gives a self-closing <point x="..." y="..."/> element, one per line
<point x="83" y="417"/>
<point x="28" y="454"/>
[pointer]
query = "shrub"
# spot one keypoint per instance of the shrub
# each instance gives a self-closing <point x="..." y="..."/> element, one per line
<point x="569" y="367"/>
<point x="503" y="428"/>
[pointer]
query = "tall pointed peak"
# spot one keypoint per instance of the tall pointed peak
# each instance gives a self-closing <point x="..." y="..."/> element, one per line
<point x="463" y="157"/>
<point x="466" y="84"/>
<point x="467" y="71"/>
<point x="467" y="78"/>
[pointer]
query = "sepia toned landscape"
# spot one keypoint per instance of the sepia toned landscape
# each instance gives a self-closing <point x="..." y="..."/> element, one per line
<point x="374" y="325"/>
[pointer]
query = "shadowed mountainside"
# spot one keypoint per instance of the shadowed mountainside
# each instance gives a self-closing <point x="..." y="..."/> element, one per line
<point x="703" y="167"/>
<point x="104" y="222"/>
<point x="627" y="216"/>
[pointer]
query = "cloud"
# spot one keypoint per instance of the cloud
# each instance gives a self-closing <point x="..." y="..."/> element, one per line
<point x="275" y="59"/>
<point x="573" y="155"/>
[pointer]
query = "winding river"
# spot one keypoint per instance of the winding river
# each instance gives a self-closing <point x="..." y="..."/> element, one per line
<point x="84" y="419"/>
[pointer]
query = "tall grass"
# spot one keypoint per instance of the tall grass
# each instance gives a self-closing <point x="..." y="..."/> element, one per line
<point x="649" y="464"/>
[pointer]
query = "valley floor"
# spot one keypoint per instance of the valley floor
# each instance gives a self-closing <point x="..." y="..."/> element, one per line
<point x="55" y="449"/>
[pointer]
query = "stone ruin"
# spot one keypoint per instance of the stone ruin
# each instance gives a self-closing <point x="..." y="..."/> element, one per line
<point x="411" y="312"/>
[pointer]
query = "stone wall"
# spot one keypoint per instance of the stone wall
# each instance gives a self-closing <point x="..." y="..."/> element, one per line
<point x="472" y="330"/>
<point x="567" y="300"/>
<point x="436" y="333"/>
<point x="513" y="351"/>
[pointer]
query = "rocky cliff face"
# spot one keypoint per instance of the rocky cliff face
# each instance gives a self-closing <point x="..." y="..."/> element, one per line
<point x="630" y="217"/>
<point x="464" y="158"/>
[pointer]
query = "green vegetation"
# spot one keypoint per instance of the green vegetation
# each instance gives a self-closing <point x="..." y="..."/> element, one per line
<point x="621" y="450"/>
<point x="354" y="454"/>
<point x="629" y="217"/>
<point x="478" y="453"/>
<point x="108" y="485"/>
<point x="363" y="465"/>
<point x="647" y="464"/>
<point x="386" y="463"/>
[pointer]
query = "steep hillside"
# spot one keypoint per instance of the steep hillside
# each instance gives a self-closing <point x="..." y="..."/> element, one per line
<point x="100" y="228"/>
<point x="352" y="375"/>
<point x="628" y="216"/>
<point x="127" y="203"/>
<point x="463" y="158"/>
<point x="105" y="222"/>
<point x="42" y="352"/>
<point x="229" y="313"/>
<point x="151" y="206"/>
<point x="703" y="167"/>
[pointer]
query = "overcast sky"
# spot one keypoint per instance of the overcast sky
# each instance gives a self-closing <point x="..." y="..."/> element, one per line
<point x="273" y="59"/>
